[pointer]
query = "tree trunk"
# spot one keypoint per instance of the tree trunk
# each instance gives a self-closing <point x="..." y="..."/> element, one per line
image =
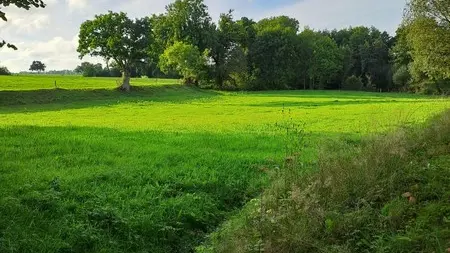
<point x="125" y="81"/>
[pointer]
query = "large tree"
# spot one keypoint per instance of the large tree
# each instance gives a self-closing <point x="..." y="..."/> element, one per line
<point x="225" y="44"/>
<point x="117" y="37"/>
<point x="37" y="66"/>
<point x="277" y="54"/>
<point x="185" y="20"/>
<point x="23" y="4"/>
<point x="429" y="35"/>
<point x="324" y="59"/>
<point x="366" y="55"/>
<point x="4" y="71"/>
<point x="439" y="10"/>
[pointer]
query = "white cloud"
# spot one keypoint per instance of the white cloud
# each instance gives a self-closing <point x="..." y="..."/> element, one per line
<point x="56" y="53"/>
<point x="77" y="4"/>
<point x="31" y="23"/>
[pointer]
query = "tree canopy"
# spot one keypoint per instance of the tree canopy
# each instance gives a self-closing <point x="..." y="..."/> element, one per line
<point x="4" y="71"/>
<point x="422" y="52"/>
<point x="37" y="66"/>
<point x="115" y="36"/>
<point x="186" y="60"/>
<point x="274" y="52"/>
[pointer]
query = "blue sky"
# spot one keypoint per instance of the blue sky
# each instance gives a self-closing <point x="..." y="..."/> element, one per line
<point x="50" y="34"/>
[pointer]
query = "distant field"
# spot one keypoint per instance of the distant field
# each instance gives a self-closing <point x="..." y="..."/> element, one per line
<point x="90" y="169"/>
<point x="37" y="82"/>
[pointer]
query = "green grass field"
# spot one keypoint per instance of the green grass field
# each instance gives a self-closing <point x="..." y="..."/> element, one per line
<point x="86" y="168"/>
<point x="38" y="82"/>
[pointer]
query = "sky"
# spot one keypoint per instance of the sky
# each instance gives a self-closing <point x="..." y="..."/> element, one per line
<point x="51" y="34"/>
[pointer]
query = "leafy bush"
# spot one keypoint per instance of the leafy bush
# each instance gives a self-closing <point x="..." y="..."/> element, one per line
<point x="186" y="60"/>
<point x="4" y="71"/>
<point x="384" y="194"/>
<point x="430" y="87"/>
<point x="402" y="77"/>
<point x="353" y="83"/>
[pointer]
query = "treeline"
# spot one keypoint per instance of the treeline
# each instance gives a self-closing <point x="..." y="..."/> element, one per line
<point x="4" y="71"/>
<point x="111" y="69"/>
<point x="272" y="53"/>
<point x="88" y="69"/>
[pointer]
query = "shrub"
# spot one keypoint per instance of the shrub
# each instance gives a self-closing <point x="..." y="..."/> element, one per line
<point x="402" y="77"/>
<point x="429" y="87"/>
<point x="4" y="71"/>
<point x="186" y="60"/>
<point x="384" y="194"/>
<point x="353" y="83"/>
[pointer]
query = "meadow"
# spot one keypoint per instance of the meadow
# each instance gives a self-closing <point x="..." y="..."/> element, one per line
<point x="86" y="168"/>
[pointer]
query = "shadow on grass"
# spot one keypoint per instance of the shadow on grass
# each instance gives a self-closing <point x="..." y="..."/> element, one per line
<point x="57" y="99"/>
<point x="310" y="104"/>
<point x="337" y="94"/>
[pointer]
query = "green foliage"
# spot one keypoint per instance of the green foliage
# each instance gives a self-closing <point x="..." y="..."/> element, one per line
<point x="275" y="54"/>
<point x="37" y="66"/>
<point x="4" y="71"/>
<point x="226" y="53"/>
<point x="268" y="54"/>
<point x="115" y="36"/>
<point x="434" y="9"/>
<point x="353" y="83"/>
<point x="384" y="194"/>
<point x="429" y="48"/>
<point x="367" y="54"/>
<point x="186" y="60"/>
<point x="88" y="69"/>
<point x="280" y="23"/>
<point x="422" y="45"/>
<point x="184" y="21"/>
<point x="326" y="59"/>
<point x="401" y="51"/>
<point x="402" y="77"/>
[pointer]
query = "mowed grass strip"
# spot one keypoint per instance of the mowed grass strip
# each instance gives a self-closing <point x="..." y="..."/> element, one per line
<point x="156" y="169"/>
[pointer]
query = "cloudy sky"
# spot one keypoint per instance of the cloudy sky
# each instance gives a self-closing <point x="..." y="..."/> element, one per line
<point x="50" y="34"/>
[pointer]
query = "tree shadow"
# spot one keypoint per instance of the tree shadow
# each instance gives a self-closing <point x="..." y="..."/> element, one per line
<point x="59" y="99"/>
<point x="336" y="94"/>
<point x="311" y="104"/>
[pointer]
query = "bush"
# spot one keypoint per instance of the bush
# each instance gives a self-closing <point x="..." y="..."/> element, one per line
<point x="4" y="71"/>
<point x="429" y="87"/>
<point x="402" y="77"/>
<point x="353" y="83"/>
<point x="384" y="194"/>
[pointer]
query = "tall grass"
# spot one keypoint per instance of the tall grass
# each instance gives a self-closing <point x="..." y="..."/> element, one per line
<point x="389" y="193"/>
